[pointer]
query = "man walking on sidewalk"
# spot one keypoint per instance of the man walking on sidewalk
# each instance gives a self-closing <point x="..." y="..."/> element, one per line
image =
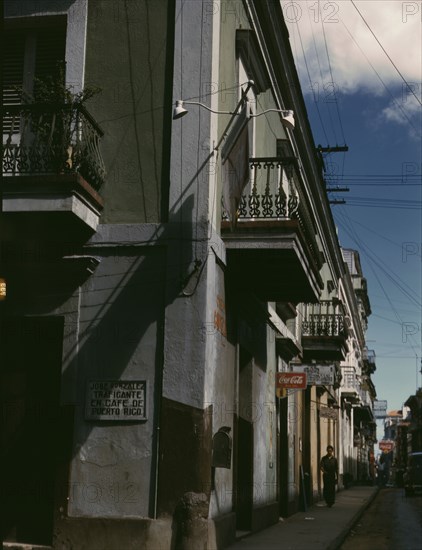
<point x="329" y="468"/>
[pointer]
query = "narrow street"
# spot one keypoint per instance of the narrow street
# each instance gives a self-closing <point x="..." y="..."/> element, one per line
<point x="392" y="522"/>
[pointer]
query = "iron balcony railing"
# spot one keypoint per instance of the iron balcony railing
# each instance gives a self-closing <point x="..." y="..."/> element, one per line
<point x="369" y="356"/>
<point x="279" y="199"/>
<point x="326" y="318"/>
<point x="349" y="381"/>
<point x="41" y="139"/>
<point x="274" y="194"/>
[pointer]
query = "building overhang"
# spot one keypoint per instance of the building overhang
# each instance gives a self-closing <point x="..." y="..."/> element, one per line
<point x="64" y="198"/>
<point x="324" y="348"/>
<point x="271" y="259"/>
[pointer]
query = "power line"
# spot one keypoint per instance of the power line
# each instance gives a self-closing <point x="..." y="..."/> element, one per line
<point x="332" y="79"/>
<point x="321" y="75"/>
<point x="370" y="257"/>
<point x="382" y="82"/>
<point x="310" y="81"/>
<point x="398" y="245"/>
<point x="371" y="205"/>
<point x="373" y="258"/>
<point x="380" y="184"/>
<point x="383" y="49"/>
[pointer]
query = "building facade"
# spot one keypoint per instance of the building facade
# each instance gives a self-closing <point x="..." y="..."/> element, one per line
<point x="163" y="272"/>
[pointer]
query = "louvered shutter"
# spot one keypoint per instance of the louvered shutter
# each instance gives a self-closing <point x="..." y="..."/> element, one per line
<point x="49" y="61"/>
<point x="13" y="63"/>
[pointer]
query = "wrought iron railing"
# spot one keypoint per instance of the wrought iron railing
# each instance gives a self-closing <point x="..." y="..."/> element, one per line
<point x="349" y="380"/>
<point x="40" y="139"/>
<point x="369" y="356"/>
<point x="325" y="318"/>
<point x="274" y="193"/>
<point x="275" y="197"/>
<point x="279" y="199"/>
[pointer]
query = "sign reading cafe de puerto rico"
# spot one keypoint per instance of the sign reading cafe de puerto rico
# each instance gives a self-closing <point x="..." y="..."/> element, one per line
<point x="116" y="400"/>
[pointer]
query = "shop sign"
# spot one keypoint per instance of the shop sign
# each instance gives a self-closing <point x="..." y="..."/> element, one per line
<point x="386" y="445"/>
<point x="291" y="380"/>
<point x="116" y="400"/>
<point x="317" y="375"/>
<point x="328" y="412"/>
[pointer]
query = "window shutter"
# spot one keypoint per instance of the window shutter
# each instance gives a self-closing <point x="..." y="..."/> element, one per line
<point x="13" y="57"/>
<point x="13" y="60"/>
<point x="49" y="63"/>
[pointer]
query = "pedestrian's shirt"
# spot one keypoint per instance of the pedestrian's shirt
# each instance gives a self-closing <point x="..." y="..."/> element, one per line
<point x="329" y="465"/>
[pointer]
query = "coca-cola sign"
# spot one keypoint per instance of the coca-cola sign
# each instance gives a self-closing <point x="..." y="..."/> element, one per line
<point x="291" y="380"/>
<point x="386" y="445"/>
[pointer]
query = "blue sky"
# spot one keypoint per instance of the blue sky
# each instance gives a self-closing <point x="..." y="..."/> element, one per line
<point x="374" y="108"/>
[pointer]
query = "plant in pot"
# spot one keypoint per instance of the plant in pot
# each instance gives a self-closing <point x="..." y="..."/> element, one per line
<point x="54" y="130"/>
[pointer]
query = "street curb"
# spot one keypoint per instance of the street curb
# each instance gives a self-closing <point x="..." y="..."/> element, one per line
<point x="338" y="541"/>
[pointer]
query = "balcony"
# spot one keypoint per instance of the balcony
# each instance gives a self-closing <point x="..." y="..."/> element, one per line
<point x="271" y="247"/>
<point x="52" y="168"/>
<point x="369" y="360"/>
<point x="350" y="385"/>
<point x="324" y="331"/>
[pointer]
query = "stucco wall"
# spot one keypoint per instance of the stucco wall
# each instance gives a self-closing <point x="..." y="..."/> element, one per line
<point x="121" y="312"/>
<point x="127" y="58"/>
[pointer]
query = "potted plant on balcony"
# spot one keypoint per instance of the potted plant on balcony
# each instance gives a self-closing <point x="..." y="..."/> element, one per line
<point x="57" y="134"/>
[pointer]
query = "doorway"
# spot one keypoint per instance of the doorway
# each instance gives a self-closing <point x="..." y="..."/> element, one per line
<point x="283" y="458"/>
<point x="33" y="436"/>
<point x="244" y="474"/>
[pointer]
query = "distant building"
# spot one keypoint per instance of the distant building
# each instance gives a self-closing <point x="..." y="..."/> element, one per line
<point x="414" y="405"/>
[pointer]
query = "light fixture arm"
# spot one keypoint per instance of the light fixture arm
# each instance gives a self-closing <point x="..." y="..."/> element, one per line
<point x="242" y="102"/>
<point x="180" y="111"/>
<point x="287" y="116"/>
<point x="281" y="111"/>
<point x="180" y="103"/>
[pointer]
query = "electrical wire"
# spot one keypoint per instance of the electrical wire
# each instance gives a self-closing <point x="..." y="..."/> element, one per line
<point x="370" y="257"/>
<point x="382" y="81"/>
<point x="383" y="49"/>
<point x="310" y="82"/>
<point x="371" y="205"/>
<point x="374" y="259"/>
<point x="332" y="79"/>
<point x="322" y="80"/>
<point x="355" y="222"/>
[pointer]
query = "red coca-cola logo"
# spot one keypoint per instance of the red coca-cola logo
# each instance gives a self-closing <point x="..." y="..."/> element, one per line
<point x="291" y="380"/>
<point x="386" y="445"/>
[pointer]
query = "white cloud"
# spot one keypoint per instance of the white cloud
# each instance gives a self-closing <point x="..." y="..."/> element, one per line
<point x="405" y="111"/>
<point x="395" y="111"/>
<point x="351" y="46"/>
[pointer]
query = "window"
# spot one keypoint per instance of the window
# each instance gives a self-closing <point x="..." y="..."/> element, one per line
<point x="30" y="55"/>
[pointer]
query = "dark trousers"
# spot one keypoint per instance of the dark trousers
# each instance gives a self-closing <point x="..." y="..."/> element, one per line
<point x="329" y="491"/>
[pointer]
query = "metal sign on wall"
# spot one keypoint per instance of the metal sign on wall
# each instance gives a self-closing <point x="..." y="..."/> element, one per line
<point x="380" y="409"/>
<point x="116" y="400"/>
<point x="386" y="445"/>
<point x="317" y="375"/>
<point x="290" y="380"/>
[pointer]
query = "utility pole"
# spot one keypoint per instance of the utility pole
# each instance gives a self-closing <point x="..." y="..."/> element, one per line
<point x="337" y="189"/>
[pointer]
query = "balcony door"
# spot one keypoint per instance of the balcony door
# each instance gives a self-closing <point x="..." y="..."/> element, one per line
<point x="33" y="435"/>
<point x="33" y="59"/>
